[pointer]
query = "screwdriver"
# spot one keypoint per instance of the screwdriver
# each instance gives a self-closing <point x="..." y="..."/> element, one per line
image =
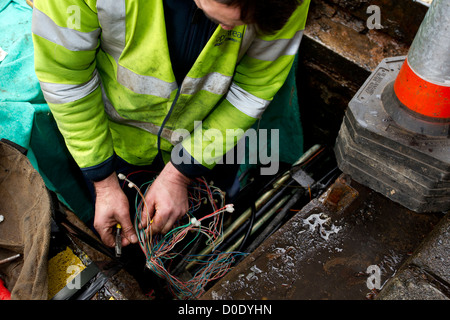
<point x="118" y="241"/>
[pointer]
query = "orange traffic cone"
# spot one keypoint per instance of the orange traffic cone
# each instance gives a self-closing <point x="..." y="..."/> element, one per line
<point x="423" y="83"/>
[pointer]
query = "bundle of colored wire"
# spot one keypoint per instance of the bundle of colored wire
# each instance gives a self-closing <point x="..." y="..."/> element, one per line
<point x="160" y="250"/>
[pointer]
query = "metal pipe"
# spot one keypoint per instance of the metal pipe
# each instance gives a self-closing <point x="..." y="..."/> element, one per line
<point x="258" y="214"/>
<point x="260" y="202"/>
<point x="9" y="259"/>
<point x="245" y="215"/>
<point x="271" y="228"/>
<point x="261" y="221"/>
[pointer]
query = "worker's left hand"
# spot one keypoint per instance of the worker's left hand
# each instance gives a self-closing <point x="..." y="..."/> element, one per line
<point x="167" y="200"/>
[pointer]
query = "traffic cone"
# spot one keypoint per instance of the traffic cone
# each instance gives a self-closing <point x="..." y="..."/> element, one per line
<point x="423" y="83"/>
<point x="395" y="136"/>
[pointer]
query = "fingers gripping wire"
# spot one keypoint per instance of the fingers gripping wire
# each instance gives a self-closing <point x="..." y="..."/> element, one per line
<point x="161" y="250"/>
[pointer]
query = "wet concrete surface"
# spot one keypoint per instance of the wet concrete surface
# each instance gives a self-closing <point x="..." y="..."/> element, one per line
<point x="330" y="248"/>
<point x="426" y="274"/>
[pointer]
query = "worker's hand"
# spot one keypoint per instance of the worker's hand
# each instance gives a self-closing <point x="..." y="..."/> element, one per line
<point x="111" y="207"/>
<point x="167" y="200"/>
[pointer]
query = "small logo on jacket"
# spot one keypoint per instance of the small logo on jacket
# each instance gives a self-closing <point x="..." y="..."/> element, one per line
<point x="228" y="35"/>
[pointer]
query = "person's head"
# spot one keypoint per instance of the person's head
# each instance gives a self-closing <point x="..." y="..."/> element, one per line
<point x="268" y="15"/>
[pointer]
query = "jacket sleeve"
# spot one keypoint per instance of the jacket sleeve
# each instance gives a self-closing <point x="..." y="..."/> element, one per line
<point x="65" y="37"/>
<point x="259" y="75"/>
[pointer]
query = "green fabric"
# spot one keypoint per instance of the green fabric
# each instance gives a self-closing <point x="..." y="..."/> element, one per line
<point x="282" y="114"/>
<point x="25" y="118"/>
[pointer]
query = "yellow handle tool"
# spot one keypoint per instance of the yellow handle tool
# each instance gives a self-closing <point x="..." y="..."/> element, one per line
<point x="118" y="240"/>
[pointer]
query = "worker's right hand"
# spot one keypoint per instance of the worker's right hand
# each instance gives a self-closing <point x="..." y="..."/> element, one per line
<point x="111" y="208"/>
<point x="167" y="200"/>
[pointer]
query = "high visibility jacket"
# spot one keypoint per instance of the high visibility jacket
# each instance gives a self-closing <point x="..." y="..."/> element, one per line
<point x="105" y="71"/>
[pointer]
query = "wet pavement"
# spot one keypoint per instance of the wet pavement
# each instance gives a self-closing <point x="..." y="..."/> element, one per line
<point x="351" y="243"/>
<point x="348" y="244"/>
<point x="426" y="274"/>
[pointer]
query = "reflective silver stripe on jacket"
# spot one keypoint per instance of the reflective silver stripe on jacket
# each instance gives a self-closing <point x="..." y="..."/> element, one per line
<point x="272" y="50"/>
<point x="111" y="15"/>
<point x="145" y="84"/>
<point x="59" y="93"/>
<point x="147" y="126"/>
<point x="70" y="39"/>
<point x="214" y="82"/>
<point x="246" y="102"/>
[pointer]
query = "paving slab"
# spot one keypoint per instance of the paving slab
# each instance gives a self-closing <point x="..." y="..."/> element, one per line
<point x="426" y="274"/>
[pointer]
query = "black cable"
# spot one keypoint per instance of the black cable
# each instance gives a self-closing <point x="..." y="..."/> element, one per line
<point x="320" y="185"/>
<point x="233" y="237"/>
<point x="166" y="118"/>
<point x="270" y="228"/>
<point x="250" y="227"/>
<point x="331" y="175"/>
<point x="61" y="220"/>
<point x="248" y="195"/>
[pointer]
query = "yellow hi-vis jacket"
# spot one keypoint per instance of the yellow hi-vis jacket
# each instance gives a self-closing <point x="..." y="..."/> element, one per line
<point x="105" y="71"/>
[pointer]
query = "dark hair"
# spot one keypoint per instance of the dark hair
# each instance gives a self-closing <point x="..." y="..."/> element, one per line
<point x="269" y="16"/>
